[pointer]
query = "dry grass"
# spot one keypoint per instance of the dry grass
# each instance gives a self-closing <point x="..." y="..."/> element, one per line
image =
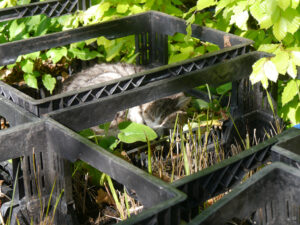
<point x="96" y="205"/>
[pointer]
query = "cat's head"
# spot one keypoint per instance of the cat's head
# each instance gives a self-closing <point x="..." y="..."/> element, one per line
<point x="161" y="114"/>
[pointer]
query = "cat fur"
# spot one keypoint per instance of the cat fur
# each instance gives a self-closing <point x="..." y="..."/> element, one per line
<point x="160" y="114"/>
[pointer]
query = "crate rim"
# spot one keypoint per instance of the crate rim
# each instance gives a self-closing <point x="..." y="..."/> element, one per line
<point x="293" y="132"/>
<point x="34" y="101"/>
<point x="242" y="187"/>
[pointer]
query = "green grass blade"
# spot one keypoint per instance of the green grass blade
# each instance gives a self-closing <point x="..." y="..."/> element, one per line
<point x="56" y="204"/>
<point x="126" y="202"/>
<point x="185" y="158"/>
<point x="13" y="195"/>
<point x="115" y="196"/>
<point x="149" y="157"/>
<point x="49" y="202"/>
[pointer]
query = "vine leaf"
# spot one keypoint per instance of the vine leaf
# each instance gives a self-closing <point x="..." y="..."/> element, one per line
<point x="290" y="91"/>
<point x="271" y="71"/>
<point x="49" y="82"/>
<point x="27" y="66"/>
<point x="122" y="7"/>
<point x="284" y="4"/>
<point x="292" y="70"/>
<point x="205" y="3"/>
<point x="281" y="61"/>
<point x="31" y="80"/>
<point x="240" y="19"/>
<point x="56" y="54"/>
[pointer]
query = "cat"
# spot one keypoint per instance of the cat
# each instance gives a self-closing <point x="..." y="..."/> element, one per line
<point x="160" y="114"/>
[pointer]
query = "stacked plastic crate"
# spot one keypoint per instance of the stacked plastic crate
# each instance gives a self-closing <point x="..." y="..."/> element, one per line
<point x="42" y="134"/>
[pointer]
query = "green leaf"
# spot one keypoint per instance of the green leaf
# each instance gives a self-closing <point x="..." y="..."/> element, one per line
<point x="258" y="71"/>
<point x="172" y="10"/>
<point x="240" y="19"/>
<point x="258" y="11"/>
<point x="131" y="132"/>
<point x="136" y="9"/>
<point x="122" y="7"/>
<point x="291" y="111"/>
<point x="23" y="2"/>
<point x="179" y="57"/>
<point x="56" y="54"/>
<point x="49" y="82"/>
<point x="221" y="5"/>
<point x="84" y="54"/>
<point x="27" y="66"/>
<point x="104" y="6"/>
<point x="280" y="28"/>
<point x="224" y="88"/>
<point x="179" y="37"/>
<point x="293" y="18"/>
<point x="290" y="91"/>
<point x="105" y="127"/>
<point x="132" y="58"/>
<point x="296" y="57"/>
<point x="281" y="61"/>
<point x="2" y="38"/>
<point x="109" y="143"/>
<point x="33" y="22"/>
<point x="202" y="4"/>
<point x="32" y="56"/>
<point x="187" y="49"/>
<point x="200" y="104"/>
<point x="16" y="31"/>
<point x="212" y="48"/>
<point x="177" y="2"/>
<point x="284" y="4"/>
<point x="87" y="133"/>
<point x="270" y="48"/>
<point x="295" y="4"/>
<point x="292" y="70"/>
<point x="43" y="26"/>
<point x="30" y="80"/>
<point x="271" y="71"/>
<point x="114" y="50"/>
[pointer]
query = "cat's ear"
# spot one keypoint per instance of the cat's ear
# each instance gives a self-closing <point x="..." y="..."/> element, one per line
<point x="183" y="101"/>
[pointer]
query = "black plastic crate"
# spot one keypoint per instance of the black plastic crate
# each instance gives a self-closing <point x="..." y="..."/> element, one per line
<point x="13" y="115"/>
<point x="151" y="30"/>
<point x="51" y="8"/>
<point x="221" y="177"/>
<point x="287" y="150"/>
<point x="54" y="146"/>
<point x="271" y="196"/>
<point x="210" y="182"/>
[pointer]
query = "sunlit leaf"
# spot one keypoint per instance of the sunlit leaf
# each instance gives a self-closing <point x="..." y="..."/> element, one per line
<point x="289" y="91"/>
<point x="30" y="80"/>
<point x="27" y="66"/>
<point x="56" y="54"/>
<point x="292" y="70"/>
<point x="271" y="71"/>
<point x="284" y="4"/>
<point x="281" y="61"/>
<point x="122" y="7"/>
<point x="49" y="82"/>
<point x="131" y="132"/>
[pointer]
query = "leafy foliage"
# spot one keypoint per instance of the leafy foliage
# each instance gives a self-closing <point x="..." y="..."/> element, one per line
<point x="274" y="26"/>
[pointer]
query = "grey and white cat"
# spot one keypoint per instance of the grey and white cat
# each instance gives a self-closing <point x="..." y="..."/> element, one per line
<point x="160" y="114"/>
